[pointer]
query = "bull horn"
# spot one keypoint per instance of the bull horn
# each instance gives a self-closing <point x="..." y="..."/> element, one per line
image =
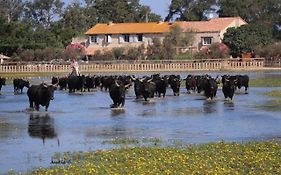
<point x="44" y="84"/>
<point x="116" y="83"/>
<point x="127" y="86"/>
<point x="149" y="80"/>
<point x="133" y="78"/>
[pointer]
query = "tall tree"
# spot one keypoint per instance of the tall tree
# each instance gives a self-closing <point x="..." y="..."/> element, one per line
<point x="11" y="9"/>
<point x="264" y="11"/>
<point x="75" y="17"/>
<point x="189" y="10"/>
<point x="123" y="11"/>
<point x="43" y="12"/>
<point x="247" y="37"/>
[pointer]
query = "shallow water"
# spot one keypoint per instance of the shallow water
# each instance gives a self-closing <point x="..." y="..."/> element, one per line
<point x="83" y="121"/>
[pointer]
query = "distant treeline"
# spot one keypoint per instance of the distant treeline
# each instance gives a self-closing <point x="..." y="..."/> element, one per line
<point x="41" y="29"/>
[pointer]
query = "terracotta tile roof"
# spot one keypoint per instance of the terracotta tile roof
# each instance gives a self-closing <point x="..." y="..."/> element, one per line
<point x="130" y="28"/>
<point x="213" y="25"/>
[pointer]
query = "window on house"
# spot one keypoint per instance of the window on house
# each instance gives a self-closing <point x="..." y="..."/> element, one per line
<point x="140" y="37"/>
<point x="207" y="41"/>
<point x="126" y="38"/>
<point x="108" y="39"/>
<point x="94" y="38"/>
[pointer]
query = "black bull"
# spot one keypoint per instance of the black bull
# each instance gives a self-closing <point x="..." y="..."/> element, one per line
<point x="76" y="83"/>
<point x="210" y="87"/>
<point x="228" y="88"/>
<point x="19" y="84"/>
<point x="40" y="95"/>
<point x="117" y="94"/>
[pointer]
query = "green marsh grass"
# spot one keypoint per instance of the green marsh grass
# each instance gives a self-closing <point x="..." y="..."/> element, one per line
<point x="265" y="82"/>
<point x="212" y="158"/>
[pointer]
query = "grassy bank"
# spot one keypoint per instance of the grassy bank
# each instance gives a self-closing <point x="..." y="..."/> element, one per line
<point x="34" y="74"/>
<point x="265" y="82"/>
<point x="213" y="158"/>
<point x="274" y="93"/>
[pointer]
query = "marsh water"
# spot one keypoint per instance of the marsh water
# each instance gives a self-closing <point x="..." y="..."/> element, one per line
<point x="84" y="121"/>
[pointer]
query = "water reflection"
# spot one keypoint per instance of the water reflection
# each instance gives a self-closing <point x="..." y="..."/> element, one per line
<point x="117" y="112"/>
<point x="229" y="105"/>
<point x="6" y="129"/>
<point x="209" y="106"/>
<point x="41" y="126"/>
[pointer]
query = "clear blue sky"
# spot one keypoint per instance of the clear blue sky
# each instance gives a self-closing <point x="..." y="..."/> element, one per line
<point x="158" y="6"/>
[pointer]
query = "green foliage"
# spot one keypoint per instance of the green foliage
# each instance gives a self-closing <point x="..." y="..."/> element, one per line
<point x="104" y="56"/>
<point x="213" y="158"/>
<point x="193" y="10"/>
<point x="122" y="141"/>
<point x="246" y="38"/>
<point x="133" y="54"/>
<point x="118" y="52"/>
<point x="29" y="28"/>
<point x="184" y="57"/>
<point x="269" y="52"/>
<point x="200" y="55"/>
<point x="78" y="18"/>
<point x="166" y="49"/>
<point x="265" y="82"/>
<point x="266" y="12"/>
<point x="274" y="93"/>
<point x="43" y="12"/>
<point x="217" y="51"/>
<point x="123" y="11"/>
<point x="155" y="50"/>
<point x="45" y="54"/>
<point x="11" y="10"/>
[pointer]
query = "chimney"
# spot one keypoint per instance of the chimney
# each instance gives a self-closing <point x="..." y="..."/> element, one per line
<point x="146" y="17"/>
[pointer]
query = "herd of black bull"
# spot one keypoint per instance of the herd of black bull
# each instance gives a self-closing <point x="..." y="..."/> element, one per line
<point x="145" y="87"/>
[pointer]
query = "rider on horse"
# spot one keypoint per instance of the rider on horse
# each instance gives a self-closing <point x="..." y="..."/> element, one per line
<point x="75" y="67"/>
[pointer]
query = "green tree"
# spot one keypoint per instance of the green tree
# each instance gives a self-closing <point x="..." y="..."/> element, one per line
<point x="179" y="38"/>
<point x="75" y="17"/>
<point x="155" y="50"/>
<point x="191" y="10"/>
<point x="11" y="10"/>
<point x="218" y="50"/>
<point x="269" y="52"/>
<point x="118" y="52"/>
<point x="247" y="37"/>
<point x="266" y="12"/>
<point x="122" y="11"/>
<point x="43" y="12"/>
